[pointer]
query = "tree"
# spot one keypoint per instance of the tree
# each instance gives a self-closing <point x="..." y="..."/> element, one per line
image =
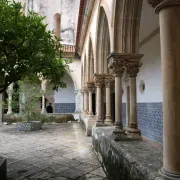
<point x="27" y="48"/>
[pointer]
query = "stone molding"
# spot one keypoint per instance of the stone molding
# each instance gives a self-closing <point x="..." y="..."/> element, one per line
<point x="132" y="67"/>
<point x="161" y="4"/>
<point x="108" y="81"/>
<point x="90" y="86"/>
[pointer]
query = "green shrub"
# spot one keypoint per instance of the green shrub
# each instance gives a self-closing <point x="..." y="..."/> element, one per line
<point x="13" y="118"/>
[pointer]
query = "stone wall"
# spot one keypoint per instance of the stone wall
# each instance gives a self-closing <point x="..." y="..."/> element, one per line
<point x="126" y="160"/>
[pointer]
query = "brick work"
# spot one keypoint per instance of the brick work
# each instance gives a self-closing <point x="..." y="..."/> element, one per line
<point x="64" y="107"/>
<point x="149" y="120"/>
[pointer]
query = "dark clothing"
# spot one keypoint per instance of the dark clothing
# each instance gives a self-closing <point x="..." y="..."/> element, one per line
<point x="49" y="109"/>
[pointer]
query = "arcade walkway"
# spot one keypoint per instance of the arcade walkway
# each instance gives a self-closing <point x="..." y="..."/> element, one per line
<point x="58" y="152"/>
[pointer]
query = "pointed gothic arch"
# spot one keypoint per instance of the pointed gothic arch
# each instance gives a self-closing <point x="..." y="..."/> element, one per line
<point x="103" y="43"/>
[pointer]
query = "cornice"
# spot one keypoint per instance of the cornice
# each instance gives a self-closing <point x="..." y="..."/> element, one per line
<point x="85" y="14"/>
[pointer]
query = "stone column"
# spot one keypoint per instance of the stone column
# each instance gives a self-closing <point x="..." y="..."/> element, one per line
<point x="90" y="86"/>
<point x="1" y="108"/>
<point x="132" y="68"/>
<point x="10" y="91"/>
<point x="99" y="81"/>
<point x="86" y="106"/>
<point x="76" y="92"/>
<point x="169" y="17"/>
<point x="127" y="103"/>
<point x="109" y="81"/>
<point x="116" y="65"/>
<point x="43" y="88"/>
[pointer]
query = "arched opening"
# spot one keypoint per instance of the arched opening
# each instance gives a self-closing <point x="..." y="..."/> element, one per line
<point x="103" y="43"/>
<point x="103" y="50"/>
<point x="91" y="72"/>
<point x="65" y="98"/>
<point x="57" y="22"/>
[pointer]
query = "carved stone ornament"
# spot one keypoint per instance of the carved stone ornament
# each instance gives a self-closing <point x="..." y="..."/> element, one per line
<point x="90" y="86"/>
<point x="132" y="67"/>
<point x="85" y="90"/>
<point x="109" y="81"/>
<point x="99" y="81"/>
<point x="116" y="66"/>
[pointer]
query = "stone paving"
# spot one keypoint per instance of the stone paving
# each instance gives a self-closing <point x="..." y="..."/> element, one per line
<point x="58" y="152"/>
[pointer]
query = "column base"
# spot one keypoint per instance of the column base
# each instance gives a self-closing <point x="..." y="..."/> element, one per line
<point x="90" y="123"/>
<point x="100" y="124"/>
<point x="108" y="122"/>
<point x="169" y="176"/>
<point x="9" y="113"/>
<point x="43" y="111"/>
<point x="133" y="134"/>
<point x="119" y="134"/>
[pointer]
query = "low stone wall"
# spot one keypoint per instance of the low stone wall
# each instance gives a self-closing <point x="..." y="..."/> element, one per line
<point x="3" y="168"/>
<point x="126" y="160"/>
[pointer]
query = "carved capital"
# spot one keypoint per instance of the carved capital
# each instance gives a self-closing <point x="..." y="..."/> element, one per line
<point x="85" y="90"/>
<point x="116" y="66"/>
<point x="99" y="81"/>
<point x="132" y="67"/>
<point x="161" y="4"/>
<point x="109" y="81"/>
<point x="90" y="86"/>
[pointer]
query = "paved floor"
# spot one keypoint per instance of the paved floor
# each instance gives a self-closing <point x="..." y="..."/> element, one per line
<point x="58" y="152"/>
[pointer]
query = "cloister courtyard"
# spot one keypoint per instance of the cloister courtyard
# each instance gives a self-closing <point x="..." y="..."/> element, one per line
<point x="58" y="152"/>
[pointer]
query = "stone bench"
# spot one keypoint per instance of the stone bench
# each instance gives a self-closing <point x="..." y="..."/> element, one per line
<point x="126" y="160"/>
<point x="3" y="168"/>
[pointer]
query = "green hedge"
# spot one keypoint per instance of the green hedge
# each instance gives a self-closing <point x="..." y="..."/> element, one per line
<point x="59" y="118"/>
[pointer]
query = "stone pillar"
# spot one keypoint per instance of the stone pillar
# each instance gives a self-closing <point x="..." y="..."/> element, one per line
<point x="99" y="81"/>
<point x="132" y="68"/>
<point x="1" y="108"/>
<point x="86" y="105"/>
<point x="90" y="86"/>
<point x="127" y="103"/>
<point x="169" y="17"/>
<point x="109" y="81"/>
<point x="10" y="92"/>
<point x="82" y="100"/>
<point x="116" y="65"/>
<point x="76" y="92"/>
<point x="43" y="88"/>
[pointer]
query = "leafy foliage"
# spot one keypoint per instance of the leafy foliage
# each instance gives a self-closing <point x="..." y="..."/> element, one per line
<point x="27" y="49"/>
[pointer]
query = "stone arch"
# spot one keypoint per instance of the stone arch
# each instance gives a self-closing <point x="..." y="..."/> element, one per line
<point x="57" y="22"/>
<point x="90" y="60"/>
<point x="126" y="26"/>
<point x="103" y="42"/>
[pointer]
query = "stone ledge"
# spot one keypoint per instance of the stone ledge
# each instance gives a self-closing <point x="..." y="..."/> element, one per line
<point x="126" y="160"/>
<point x="3" y="168"/>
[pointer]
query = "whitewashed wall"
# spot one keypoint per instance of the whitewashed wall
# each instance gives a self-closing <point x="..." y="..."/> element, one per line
<point x="150" y="72"/>
<point x="67" y="94"/>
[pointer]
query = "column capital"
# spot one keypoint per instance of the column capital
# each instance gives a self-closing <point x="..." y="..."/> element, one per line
<point x="98" y="80"/>
<point x="85" y="90"/>
<point x="90" y="86"/>
<point x="109" y="81"/>
<point x="116" y="64"/>
<point x="132" y="67"/>
<point x="161" y="4"/>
